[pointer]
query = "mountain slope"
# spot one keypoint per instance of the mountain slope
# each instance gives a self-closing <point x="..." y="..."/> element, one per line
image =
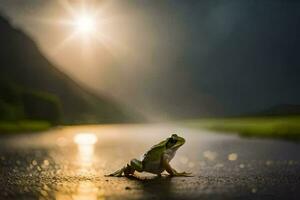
<point x="23" y="64"/>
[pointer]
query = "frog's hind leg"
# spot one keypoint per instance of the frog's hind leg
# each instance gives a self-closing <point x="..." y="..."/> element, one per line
<point x="117" y="173"/>
<point x="135" y="165"/>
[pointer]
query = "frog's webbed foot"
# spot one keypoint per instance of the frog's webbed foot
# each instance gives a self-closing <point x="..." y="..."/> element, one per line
<point x="117" y="173"/>
<point x="173" y="172"/>
<point x="185" y="174"/>
<point x="127" y="171"/>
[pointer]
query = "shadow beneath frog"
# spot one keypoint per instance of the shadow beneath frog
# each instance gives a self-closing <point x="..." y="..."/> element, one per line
<point x="156" y="187"/>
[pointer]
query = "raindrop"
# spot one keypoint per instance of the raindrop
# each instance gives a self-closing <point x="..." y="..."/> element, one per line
<point x="210" y="155"/>
<point x="269" y="162"/>
<point x="46" y="188"/>
<point x="44" y="193"/>
<point x="253" y="190"/>
<point x="34" y="162"/>
<point x="46" y="162"/>
<point x="219" y="165"/>
<point x="232" y="157"/>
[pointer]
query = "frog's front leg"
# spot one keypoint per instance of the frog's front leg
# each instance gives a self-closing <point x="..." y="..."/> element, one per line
<point x="129" y="169"/>
<point x="172" y="171"/>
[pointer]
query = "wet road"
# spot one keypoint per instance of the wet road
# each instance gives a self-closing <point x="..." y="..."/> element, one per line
<point x="70" y="163"/>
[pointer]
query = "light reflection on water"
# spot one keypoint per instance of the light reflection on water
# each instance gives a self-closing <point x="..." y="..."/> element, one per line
<point x="85" y="146"/>
<point x="87" y="189"/>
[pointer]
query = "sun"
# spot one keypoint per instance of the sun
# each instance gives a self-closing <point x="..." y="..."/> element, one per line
<point x="85" y="24"/>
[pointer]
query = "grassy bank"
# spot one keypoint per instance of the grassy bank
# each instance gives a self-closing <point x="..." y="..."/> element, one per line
<point x="273" y="127"/>
<point x="23" y="126"/>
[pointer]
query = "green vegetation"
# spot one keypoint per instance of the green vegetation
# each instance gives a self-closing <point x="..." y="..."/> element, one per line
<point x="273" y="127"/>
<point x="41" y="106"/>
<point x="23" y="126"/>
<point x="20" y="103"/>
<point x="26" y="110"/>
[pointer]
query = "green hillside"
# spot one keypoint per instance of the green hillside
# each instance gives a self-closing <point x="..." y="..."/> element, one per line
<point x="285" y="127"/>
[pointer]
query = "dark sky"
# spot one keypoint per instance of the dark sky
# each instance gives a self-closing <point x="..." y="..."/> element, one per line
<point x="191" y="58"/>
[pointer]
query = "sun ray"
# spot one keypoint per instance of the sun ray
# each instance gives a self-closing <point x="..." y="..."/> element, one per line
<point x="114" y="48"/>
<point x="67" y="7"/>
<point x="54" y="22"/>
<point x="65" y="42"/>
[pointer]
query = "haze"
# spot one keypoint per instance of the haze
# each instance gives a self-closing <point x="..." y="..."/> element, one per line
<point x="176" y="58"/>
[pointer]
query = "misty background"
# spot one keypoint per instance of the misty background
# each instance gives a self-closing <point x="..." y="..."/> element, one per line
<point x="178" y="59"/>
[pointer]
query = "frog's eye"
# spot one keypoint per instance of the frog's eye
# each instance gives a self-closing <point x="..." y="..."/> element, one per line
<point x="172" y="140"/>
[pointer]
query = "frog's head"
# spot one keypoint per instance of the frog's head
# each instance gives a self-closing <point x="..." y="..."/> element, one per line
<point x="174" y="142"/>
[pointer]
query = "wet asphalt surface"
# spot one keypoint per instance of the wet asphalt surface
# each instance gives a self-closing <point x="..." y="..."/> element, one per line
<point x="68" y="163"/>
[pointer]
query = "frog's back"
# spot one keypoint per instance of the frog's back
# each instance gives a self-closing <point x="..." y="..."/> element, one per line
<point x="152" y="159"/>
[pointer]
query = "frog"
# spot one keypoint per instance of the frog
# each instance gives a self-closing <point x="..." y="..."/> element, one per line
<point x="156" y="160"/>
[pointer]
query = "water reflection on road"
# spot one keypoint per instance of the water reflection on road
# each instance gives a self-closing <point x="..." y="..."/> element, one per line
<point x="86" y="189"/>
<point x="70" y="163"/>
<point x="86" y="148"/>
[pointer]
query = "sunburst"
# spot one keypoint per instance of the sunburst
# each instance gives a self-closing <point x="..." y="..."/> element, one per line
<point x="84" y="22"/>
